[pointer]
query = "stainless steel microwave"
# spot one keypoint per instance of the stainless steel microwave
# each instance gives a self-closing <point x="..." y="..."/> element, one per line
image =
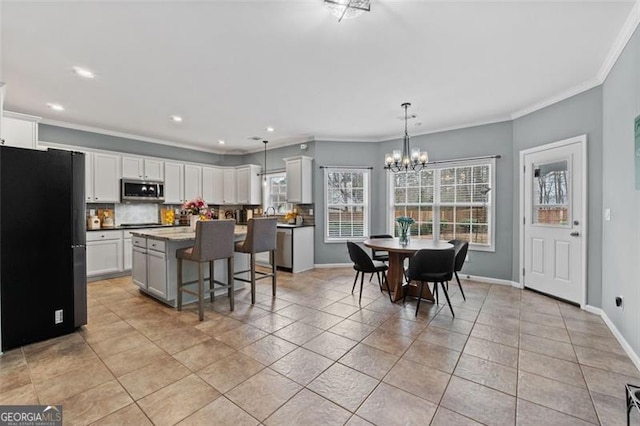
<point x="138" y="190"/>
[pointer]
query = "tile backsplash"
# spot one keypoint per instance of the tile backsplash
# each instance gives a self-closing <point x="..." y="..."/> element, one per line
<point x="136" y="213"/>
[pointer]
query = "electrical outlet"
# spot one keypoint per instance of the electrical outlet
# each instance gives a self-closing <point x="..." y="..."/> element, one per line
<point x="607" y="214"/>
<point x="310" y="212"/>
<point x="466" y="259"/>
<point x="58" y="316"/>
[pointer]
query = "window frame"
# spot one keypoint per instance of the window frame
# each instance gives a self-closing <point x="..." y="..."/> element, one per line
<point x="491" y="204"/>
<point x="366" y="203"/>
<point x="266" y="192"/>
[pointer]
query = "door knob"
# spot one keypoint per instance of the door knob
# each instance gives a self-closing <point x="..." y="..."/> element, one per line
<point x="575" y="234"/>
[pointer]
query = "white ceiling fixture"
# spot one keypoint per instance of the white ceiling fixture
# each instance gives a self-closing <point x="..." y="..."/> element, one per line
<point x="270" y="129"/>
<point x="55" y="107"/>
<point x="221" y="142"/>
<point x="347" y="9"/>
<point x="176" y="118"/>
<point x="460" y="63"/>
<point x="83" y="72"/>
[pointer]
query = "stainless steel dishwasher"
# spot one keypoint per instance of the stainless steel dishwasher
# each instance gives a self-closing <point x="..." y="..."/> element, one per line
<point x="284" y="252"/>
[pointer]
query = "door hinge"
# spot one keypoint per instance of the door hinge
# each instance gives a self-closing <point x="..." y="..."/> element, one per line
<point x="524" y="169"/>
<point x="523" y="272"/>
<point x="524" y="221"/>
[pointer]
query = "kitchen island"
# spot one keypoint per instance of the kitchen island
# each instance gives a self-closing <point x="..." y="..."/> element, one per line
<point x="155" y="265"/>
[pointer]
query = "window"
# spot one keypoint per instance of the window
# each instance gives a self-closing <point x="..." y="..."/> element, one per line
<point x="450" y="202"/>
<point x="275" y="193"/>
<point x="346" y="204"/>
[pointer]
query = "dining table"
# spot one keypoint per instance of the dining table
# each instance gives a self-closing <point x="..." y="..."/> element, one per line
<point x="397" y="254"/>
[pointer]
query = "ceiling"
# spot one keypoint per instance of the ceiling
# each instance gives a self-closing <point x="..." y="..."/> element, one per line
<point x="232" y="68"/>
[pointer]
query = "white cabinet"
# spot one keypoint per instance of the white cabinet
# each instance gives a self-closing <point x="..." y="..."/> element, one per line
<point x="213" y="185"/>
<point x="157" y="273"/>
<point x="173" y="183"/>
<point x="192" y="181"/>
<point x="299" y="172"/>
<point x="127" y="248"/>
<point x="150" y="266"/>
<point x="88" y="176"/>
<point x="20" y="130"/>
<point x="104" y="252"/>
<point x="142" y="168"/>
<point x="248" y="186"/>
<point x="229" y="186"/>
<point x="207" y="185"/>
<point x="153" y="169"/>
<point x="3" y="88"/>
<point x="106" y="178"/>
<point x="139" y="267"/>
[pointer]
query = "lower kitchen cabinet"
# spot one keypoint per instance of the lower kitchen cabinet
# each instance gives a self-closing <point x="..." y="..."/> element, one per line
<point x="104" y="253"/>
<point x="157" y="273"/>
<point x="127" y="248"/>
<point x="139" y="267"/>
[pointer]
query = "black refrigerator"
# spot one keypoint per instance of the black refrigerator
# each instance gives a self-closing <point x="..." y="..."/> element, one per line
<point x="43" y="282"/>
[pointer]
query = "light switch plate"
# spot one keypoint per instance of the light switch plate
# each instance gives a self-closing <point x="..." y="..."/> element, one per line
<point x="58" y="316"/>
<point x="607" y="214"/>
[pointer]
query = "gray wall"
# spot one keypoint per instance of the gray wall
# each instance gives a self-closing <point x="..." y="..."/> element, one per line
<point x="342" y="154"/>
<point x="63" y="135"/>
<point x="472" y="142"/>
<point x="621" y="236"/>
<point x="580" y="114"/>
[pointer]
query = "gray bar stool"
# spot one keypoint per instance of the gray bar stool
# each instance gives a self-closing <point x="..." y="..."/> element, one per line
<point x="214" y="240"/>
<point x="261" y="237"/>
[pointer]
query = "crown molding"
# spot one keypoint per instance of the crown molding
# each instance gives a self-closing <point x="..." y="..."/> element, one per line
<point x="282" y="143"/>
<point x="623" y="38"/>
<point x="625" y="34"/>
<point x="20" y="116"/>
<point x="583" y="87"/>
<point x="101" y="131"/>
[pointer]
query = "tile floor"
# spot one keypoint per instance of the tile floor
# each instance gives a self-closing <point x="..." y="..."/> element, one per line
<point x="313" y="356"/>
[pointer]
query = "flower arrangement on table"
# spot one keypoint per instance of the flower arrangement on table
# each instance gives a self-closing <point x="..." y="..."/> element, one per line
<point x="197" y="207"/>
<point x="404" y="222"/>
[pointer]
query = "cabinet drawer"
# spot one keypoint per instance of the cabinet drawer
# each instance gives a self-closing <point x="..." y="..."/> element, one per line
<point x="139" y="242"/>
<point x="156" y="245"/>
<point x="104" y="235"/>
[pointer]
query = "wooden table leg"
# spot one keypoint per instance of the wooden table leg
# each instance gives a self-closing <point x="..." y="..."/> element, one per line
<point x="395" y="277"/>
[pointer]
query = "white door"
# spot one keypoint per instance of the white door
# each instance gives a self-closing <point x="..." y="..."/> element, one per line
<point x="554" y="219"/>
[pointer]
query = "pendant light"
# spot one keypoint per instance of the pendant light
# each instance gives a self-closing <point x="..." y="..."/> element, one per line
<point x="264" y="173"/>
<point x="407" y="159"/>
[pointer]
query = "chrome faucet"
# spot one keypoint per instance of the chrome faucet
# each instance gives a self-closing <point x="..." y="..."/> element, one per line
<point x="273" y="209"/>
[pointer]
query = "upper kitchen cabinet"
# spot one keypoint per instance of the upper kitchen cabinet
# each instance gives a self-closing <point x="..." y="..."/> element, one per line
<point x="20" y="130"/>
<point x="103" y="177"/>
<point x="229" y="186"/>
<point x="213" y="185"/>
<point x="142" y="168"/>
<point x="248" y="185"/>
<point x="192" y="181"/>
<point x="3" y="89"/>
<point x="299" y="172"/>
<point x="173" y="183"/>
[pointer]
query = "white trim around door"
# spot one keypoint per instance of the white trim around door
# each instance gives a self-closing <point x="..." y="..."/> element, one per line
<point x="582" y="141"/>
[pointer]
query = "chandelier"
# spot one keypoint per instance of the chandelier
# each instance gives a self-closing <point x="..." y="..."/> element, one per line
<point x="408" y="158"/>
<point x="347" y="8"/>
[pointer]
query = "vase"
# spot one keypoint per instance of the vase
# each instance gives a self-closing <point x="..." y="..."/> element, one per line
<point x="193" y="219"/>
<point x="404" y="236"/>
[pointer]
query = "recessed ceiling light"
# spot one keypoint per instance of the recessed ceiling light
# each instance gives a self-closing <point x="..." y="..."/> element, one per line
<point x="221" y="142"/>
<point x="176" y="118"/>
<point x="56" y="107"/>
<point x="83" y="72"/>
<point x="270" y="129"/>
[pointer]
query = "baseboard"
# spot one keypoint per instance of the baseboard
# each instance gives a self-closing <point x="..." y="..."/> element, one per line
<point x="332" y="265"/>
<point x="490" y="280"/>
<point x="619" y="337"/>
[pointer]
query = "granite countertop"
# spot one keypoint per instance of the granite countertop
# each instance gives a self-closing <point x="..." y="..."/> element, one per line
<point x="293" y="225"/>
<point x="183" y="233"/>
<point x="129" y="227"/>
